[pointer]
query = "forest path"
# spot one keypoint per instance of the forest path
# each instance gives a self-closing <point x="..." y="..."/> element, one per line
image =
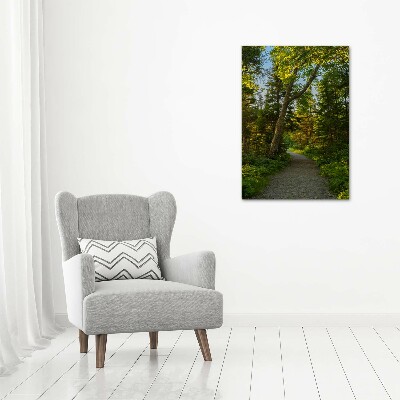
<point x="299" y="180"/>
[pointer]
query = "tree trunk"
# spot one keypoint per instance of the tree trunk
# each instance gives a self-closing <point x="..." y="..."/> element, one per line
<point x="278" y="133"/>
<point x="276" y="140"/>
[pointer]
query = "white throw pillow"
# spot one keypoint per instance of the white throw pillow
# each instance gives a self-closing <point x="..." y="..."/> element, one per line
<point x="129" y="259"/>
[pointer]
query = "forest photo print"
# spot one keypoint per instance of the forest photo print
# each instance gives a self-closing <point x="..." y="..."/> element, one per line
<point x="295" y="122"/>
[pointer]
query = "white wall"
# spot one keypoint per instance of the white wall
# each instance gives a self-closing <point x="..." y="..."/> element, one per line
<point x="145" y="96"/>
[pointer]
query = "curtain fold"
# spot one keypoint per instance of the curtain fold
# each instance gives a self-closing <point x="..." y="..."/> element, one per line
<point x="27" y="318"/>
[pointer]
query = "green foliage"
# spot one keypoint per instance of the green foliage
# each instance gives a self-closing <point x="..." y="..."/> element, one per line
<point x="256" y="170"/>
<point x="252" y="58"/>
<point x="258" y="122"/>
<point x="345" y="195"/>
<point x="299" y="61"/>
<point x="338" y="177"/>
<point x="271" y="164"/>
<point x="254" y="179"/>
<point x="332" y="122"/>
<point x="334" y="165"/>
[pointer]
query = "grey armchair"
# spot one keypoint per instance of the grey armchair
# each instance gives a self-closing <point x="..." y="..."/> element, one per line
<point x="185" y="300"/>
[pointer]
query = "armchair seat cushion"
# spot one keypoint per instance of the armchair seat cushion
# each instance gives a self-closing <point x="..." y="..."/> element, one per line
<point x="141" y="305"/>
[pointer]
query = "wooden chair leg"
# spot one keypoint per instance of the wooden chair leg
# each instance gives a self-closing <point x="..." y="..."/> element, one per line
<point x="153" y="340"/>
<point x="83" y="342"/>
<point x="201" y="335"/>
<point x="199" y="341"/>
<point x="101" y="341"/>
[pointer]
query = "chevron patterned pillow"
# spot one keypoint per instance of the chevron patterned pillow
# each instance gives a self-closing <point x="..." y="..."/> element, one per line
<point x="129" y="259"/>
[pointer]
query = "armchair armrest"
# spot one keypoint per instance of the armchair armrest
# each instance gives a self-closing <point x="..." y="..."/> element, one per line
<point x="196" y="269"/>
<point x="79" y="282"/>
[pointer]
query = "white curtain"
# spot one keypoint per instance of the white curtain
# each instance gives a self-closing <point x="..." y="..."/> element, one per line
<point x="26" y="305"/>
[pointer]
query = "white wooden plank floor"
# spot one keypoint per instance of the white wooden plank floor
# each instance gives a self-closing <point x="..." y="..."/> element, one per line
<point x="248" y="363"/>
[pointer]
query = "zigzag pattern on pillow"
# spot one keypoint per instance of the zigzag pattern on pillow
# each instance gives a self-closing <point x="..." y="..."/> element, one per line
<point x="129" y="259"/>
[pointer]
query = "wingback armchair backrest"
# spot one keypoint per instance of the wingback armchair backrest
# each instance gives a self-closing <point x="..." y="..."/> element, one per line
<point x="115" y="217"/>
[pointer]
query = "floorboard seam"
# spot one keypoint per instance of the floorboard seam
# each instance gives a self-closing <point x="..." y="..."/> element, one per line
<point x="252" y="360"/>
<point x="222" y="365"/>
<point x="33" y="373"/>
<point x="341" y="364"/>
<point x="312" y="365"/>
<point x="72" y="366"/>
<point x="190" y="371"/>
<point x="162" y="366"/>
<point x="129" y="370"/>
<point x="97" y="369"/>
<point x="391" y="352"/>
<point x="283" y="375"/>
<point x="370" y="363"/>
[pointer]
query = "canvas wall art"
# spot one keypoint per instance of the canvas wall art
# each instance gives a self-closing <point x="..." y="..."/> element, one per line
<point x="295" y="122"/>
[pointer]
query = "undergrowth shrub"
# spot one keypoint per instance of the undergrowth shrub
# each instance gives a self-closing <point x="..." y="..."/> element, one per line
<point x="338" y="178"/>
<point x="334" y="165"/>
<point x="254" y="179"/>
<point x="257" y="169"/>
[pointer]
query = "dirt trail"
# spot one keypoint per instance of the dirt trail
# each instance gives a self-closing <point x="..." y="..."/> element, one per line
<point x="299" y="180"/>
